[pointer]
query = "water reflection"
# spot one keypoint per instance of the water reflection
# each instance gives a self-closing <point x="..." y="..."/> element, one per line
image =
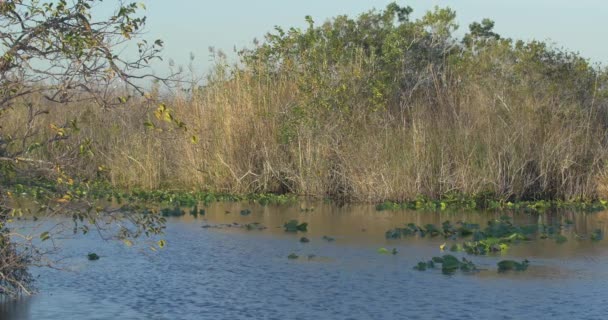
<point x="15" y="309"/>
<point x="233" y="273"/>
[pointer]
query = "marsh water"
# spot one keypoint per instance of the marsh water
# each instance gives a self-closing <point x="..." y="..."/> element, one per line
<point x="228" y="272"/>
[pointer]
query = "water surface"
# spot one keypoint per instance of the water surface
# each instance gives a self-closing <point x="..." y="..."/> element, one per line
<point x="232" y="273"/>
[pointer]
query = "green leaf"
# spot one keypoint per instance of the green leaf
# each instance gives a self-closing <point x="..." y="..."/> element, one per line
<point x="383" y="251"/>
<point x="45" y="236"/>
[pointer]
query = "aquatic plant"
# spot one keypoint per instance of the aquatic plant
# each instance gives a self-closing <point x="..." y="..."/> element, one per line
<point x="597" y="235"/>
<point x="254" y="226"/>
<point x="506" y="265"/>
<point x="304" y="240"/>
<point x="422" y="266"/>
<point x="92" y="256"/>
<point x="383" y="251"/>
<point x="295" y="226"/>
<point x="449" y="264"/>
<point x="174" y="212"/>
<point x="496" y="237"/>
<point x="292" y="256"/>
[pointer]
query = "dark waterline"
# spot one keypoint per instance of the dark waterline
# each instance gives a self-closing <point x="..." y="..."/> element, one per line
<point x="230" y="273"/>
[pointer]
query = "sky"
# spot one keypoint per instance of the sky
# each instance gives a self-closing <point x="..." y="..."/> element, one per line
<point x="192" y="26"/>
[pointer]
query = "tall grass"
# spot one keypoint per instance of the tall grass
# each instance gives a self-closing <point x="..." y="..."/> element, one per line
<point x="518" y="121"/>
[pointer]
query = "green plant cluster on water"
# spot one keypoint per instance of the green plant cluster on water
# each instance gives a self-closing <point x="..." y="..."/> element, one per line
<point x="506" y="265"/>
<point x="101" y="190"/>
<point x="295" y="226"/>
<point x="489" y="202"/>
<point x="496" y="237"/>
<point x="450" y="264"/>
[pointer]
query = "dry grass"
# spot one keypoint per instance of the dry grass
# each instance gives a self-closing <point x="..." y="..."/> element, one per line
<point x="469" y="138"/>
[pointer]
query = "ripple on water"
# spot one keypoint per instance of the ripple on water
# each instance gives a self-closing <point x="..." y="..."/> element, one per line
<point x="215" y="274"/>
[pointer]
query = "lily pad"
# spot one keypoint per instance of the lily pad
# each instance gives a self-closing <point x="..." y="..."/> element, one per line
<point x="450" y="264"/>
<point x="507" y="265"/>
<point x="295" y="226"/>
<point x="422" y="266"/>
<point x="383" y="251"/>
<point x="92" y="256"/>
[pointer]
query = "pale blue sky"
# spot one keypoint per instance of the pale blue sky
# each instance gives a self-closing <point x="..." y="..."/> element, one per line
<point x="193" y="25"/>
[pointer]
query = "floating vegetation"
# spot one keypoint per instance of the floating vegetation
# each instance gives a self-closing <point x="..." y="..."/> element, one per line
<point x="175" y="212"/>
<point x="292" y="256"/>
<point x="488" y="201"/>
<point x="383" y="251"/>
<point x="496" y="237"/>
<point x="597" y="235"/>
<point x="254" y="226"/>
<point x="507" y="265"/>
<point x="100" y="189"/>
<point x="245" y="212"/>
<point x="235" y="225"/>
<point x="92" y="256"/>
<point x="295" y="226"/>
<point x="449" y="264"/>
<point x="328" y="238"/>
<point x="422" y="266"/>
<point x="386" y="251"/>
<point x="304" y="240"/>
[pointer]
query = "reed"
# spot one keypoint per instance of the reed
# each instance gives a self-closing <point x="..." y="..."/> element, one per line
<point x="296" y="115"/>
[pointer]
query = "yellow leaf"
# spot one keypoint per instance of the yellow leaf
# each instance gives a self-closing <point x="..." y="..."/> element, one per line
<point x="442" y="247"/>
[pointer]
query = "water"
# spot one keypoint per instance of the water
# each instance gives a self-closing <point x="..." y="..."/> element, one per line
<point x="231" y="273"/>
